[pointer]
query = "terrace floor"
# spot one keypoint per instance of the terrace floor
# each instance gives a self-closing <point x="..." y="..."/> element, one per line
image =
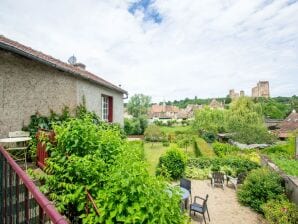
<point x="223" y="206"/>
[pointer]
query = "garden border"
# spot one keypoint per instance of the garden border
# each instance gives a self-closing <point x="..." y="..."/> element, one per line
<point x="291" y="183"/>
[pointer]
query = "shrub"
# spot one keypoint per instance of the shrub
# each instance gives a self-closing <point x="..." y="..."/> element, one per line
<point x="135" y="126"/>
<point x="174" y="161"/>
<point x="165" y="143"/>
<point x="209" y="137"/>
<point x="153" y="133"/>
<point x="234" y="163"/>
<point x="196" y="149"/>
<point x="198" y="174"/>
<point x="260" y="186"/>
<point x="222" y="149"/>
<point x="280" y="211"/>
<point x="94" y="157"/>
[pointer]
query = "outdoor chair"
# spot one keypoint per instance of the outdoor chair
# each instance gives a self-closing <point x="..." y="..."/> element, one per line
<point x="217" y="179"/>
<point x="185" y="183"/>
<point x="200" y="208"/>
<point x="236" y="180"/>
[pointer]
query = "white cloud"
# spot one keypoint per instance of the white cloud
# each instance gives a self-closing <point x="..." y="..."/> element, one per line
<point x="201" y="48"/>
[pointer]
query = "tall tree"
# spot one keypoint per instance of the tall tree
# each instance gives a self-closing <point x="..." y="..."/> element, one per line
<point x="245" y="120"/>
<point x="138" y="105"/>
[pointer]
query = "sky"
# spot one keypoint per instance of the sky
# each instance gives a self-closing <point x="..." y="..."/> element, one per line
<point x="168" y="49"/>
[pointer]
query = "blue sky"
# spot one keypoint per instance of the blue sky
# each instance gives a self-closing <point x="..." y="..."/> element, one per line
<point x="168" y="49"/>
<point x="150" y="13"/>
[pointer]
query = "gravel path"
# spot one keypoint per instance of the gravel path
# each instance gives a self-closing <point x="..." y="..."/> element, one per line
<point x="223" y="206"/>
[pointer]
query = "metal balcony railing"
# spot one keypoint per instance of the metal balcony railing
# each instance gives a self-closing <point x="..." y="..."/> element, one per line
<point x="21" y="201"/>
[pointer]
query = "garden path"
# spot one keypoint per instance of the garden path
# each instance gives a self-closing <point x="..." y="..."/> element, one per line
<point x="223" y="206"/>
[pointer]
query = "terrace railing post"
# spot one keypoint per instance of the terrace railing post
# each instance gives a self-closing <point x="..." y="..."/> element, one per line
<point x="27" y="218"/>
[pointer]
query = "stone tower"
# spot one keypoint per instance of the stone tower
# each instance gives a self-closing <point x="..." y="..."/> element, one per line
<point x="261" y="90"/>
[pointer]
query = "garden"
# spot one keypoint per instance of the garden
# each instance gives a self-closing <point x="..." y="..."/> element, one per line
<point x="94" y="175"/>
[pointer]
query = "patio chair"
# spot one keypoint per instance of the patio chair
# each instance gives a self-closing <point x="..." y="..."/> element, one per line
<point x="185" y="183"/>
<point x="200" y="208"/>
<point x="236" y="180"/>
<point x="217" y="179"/>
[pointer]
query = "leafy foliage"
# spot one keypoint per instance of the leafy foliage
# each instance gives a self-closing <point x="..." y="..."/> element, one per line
<point x="173" y="163"/>
<point x="184" y="140"/>
<point x="138" y="105"/>
<point x="94" y="157"/>
<point x="283" y="155"/>
<point x="222" y="149"/>
<point x="245" y="121"/>
<point x="196" y="148"/>
<point x="153" y="133"/>
<point x="260" y="186"/>
<point x="135" y="126"/>
<point x="209" y="120"/>
<point x="235" y="163"/>
<point x="280" y="211"/>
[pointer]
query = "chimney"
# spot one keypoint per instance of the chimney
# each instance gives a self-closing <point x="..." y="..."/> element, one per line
<point x="80" y="65"/>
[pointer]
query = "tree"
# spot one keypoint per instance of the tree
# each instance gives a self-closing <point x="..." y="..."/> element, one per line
<point x="138" y="105"/>
<point x="245" y="120"/>
<point x="210" y="120"/>
<point x="153" y="133"/>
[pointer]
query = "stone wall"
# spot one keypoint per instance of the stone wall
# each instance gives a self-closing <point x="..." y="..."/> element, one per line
<point x="27" y="87"/>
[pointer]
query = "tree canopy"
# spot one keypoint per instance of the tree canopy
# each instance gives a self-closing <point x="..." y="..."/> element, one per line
<point x="138" y="105"/>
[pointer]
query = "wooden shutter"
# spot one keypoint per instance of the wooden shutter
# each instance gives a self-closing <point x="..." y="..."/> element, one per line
<point x="110" y="105"/>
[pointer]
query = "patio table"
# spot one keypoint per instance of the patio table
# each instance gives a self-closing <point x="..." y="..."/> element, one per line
<point x="21" y="148"/>
<point x="184" y="196"/>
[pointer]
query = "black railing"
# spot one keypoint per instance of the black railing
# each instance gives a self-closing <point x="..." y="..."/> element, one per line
<point x="21" y="201"/>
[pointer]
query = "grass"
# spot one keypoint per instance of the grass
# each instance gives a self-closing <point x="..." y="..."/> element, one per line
<point x="289" y="166"/>
<point x="173" y="129"/>
<point x="152" y="154"/>
<point x="205" y="148"/>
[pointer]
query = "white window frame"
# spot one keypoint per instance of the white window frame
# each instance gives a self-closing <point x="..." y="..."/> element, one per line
<point x="104" y="108"/>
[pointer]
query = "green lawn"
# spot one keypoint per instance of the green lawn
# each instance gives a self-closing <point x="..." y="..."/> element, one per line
<point x="152" y="154"/>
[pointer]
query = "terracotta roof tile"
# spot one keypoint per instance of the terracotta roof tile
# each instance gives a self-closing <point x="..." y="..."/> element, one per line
<point x="39" y="56"/>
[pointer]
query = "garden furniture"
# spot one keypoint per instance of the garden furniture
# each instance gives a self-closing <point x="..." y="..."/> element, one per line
<point x="200" y="208"/>
<point x="217" y="179"/>
<point x="17" y="142"/>
<point x="184" y="197"/>
<point x="185" y="183"/>
<point x="236" y="180"/>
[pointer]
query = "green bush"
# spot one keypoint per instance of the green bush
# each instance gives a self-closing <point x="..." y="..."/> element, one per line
<point x="94" y="157"/>
<point x="135" y="126"/>
<point x="280" y="211"/>
<point x="165" y="143"/>
<point x="260" y="186"/>
<point x="174" y="161"/>
<point x="196" y="148"/>
<point x="235" y="163"/>
<point x="153" y="133"/>
<point x="222" y="149"/>
<point x="198" y="174"/>
<point x="209" y="137"/>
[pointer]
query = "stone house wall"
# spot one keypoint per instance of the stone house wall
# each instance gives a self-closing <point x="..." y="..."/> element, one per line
<point x="27" y="87"/>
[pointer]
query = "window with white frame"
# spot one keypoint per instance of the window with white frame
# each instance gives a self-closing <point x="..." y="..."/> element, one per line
<point x="105" y="108"/>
